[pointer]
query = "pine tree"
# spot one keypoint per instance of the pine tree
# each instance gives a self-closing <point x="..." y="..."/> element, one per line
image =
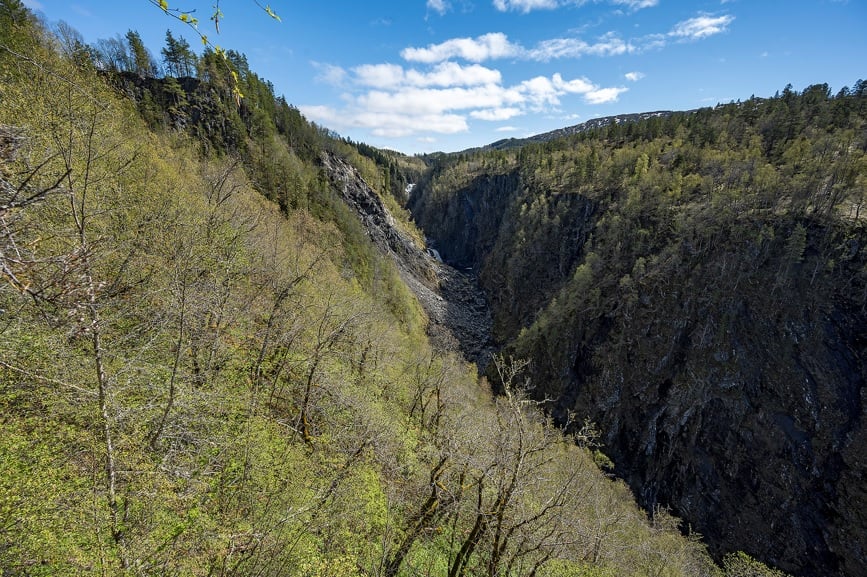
<point x="142" y="61"/>
<point x="180" y="60"/>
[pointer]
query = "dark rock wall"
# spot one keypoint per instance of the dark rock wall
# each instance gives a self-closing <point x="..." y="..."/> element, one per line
<point x="458" y="312"/>
<point x="491" y="228"/>
<point x="745" y="437"/>
<point x="726" y="391"/>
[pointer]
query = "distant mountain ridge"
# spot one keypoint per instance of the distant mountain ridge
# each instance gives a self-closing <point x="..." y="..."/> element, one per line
<point x="591" y="124"/>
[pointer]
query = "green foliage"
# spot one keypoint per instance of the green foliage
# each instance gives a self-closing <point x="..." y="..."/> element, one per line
<point x="16" y="24"/>
<point x="640" y="189"/>
<point x="561" y="568"/>
<point x="742" y="565"/>
<point x="37" y="497"/>
<point x="206" y="371"/>
<point x="143" y="62"/>
<point x="179" y="59"/>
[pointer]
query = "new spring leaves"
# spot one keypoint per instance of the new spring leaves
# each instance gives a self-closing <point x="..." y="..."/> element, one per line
<point x="186" y="16"/>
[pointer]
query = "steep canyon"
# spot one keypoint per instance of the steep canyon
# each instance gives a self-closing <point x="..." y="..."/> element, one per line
<point x="699" y="292"/>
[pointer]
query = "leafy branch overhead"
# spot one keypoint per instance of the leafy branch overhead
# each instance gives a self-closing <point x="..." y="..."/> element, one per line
<point x="187" y="17"/>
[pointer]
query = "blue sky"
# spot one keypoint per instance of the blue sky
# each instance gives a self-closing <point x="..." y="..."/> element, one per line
<point x="428" y="75"/>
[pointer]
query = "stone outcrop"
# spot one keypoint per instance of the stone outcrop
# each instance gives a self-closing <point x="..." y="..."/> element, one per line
<point x="458" y="312"/>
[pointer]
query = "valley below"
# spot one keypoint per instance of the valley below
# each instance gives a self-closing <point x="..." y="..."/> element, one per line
<point x="717" y="338"/>
<point x="727" y="381"/>
<point x="701" y="428"/>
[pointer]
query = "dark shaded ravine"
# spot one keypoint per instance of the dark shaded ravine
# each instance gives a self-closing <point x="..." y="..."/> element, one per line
<point x="755" y="441"/>
<point x="459" y="314"/>
<point x="736" y="402"/>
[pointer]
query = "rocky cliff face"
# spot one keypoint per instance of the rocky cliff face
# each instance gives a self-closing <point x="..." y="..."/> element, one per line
<point x="747" y="422"/>
<point x="729" y="382"/>
<point x="484" y="229"/>
<point x="457" y="309"/>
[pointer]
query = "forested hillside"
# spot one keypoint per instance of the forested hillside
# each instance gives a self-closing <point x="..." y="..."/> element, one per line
<point x="696" y="284"/>
<point x="206" y="367"/>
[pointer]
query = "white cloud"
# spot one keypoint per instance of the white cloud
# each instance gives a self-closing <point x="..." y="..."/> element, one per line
<point x="495" y="114"/>
<point x="539" y="92"/>
<point x="497" y="45"/>
<point x="395" y="125"/>
<point x="593" y="94"/>
<point x="390" y="76"/>
<point x="437" y="94"/>
<point x="506" y="129"/>
<point x="527" y="6"/>
<point x="692" y="29"/>
<point x="636" y="4"/>
<point x="443" y="99"/>
<point x="485" y="47"/>
<point x="385" y="124"/>
<point x="701" y="27"/>
<point x="608" y="45"/>
<point x="557" y="48"/>
<point x="330" y="74"/>
<point x="604" y="95"/>
<point x="438" y="6"/>
<point x="485" y="102"/>
<point x="439" y="100"/>
<point x="652" y="42"/>
<point x="381" y="75"/>
<point x="320" y="113"/>
<point x="452" y="74"/>
<point x="576" y="86"/>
